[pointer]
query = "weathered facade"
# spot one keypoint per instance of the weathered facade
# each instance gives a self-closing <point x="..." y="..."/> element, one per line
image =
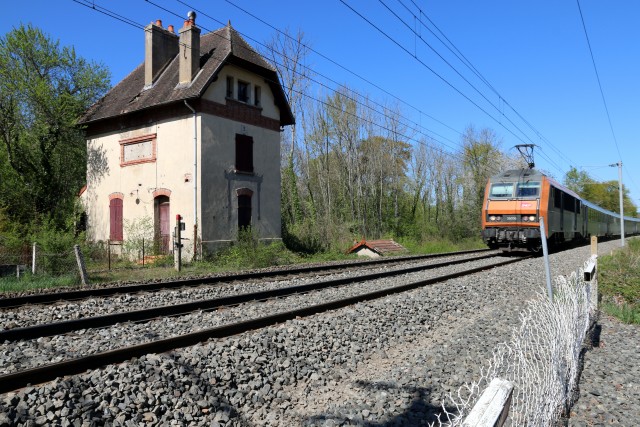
<point x="193" y="131"/>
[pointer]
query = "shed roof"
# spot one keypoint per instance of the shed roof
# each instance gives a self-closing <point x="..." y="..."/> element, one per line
<point x="382" y="247"/>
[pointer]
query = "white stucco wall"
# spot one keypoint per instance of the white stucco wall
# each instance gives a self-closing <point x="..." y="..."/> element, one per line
<point x="172" y="170"/>
<point x="219" y="196"/>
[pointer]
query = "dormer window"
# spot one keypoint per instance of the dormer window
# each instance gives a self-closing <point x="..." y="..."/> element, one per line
<point x="229" y="87"/>
<point x="256" y="96"/>
<point x="243" y="91"/>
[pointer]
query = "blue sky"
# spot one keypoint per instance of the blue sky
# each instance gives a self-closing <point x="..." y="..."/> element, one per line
<point x="534" y="55"/>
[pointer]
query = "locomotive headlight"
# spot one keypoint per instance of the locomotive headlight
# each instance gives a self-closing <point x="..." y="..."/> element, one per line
<point x="532" y="218"/>
<point x="492" y="218"/>
<point x="525" y="218"/>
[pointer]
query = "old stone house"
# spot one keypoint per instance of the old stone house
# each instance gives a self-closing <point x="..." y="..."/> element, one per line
<point x="193" y="131"/>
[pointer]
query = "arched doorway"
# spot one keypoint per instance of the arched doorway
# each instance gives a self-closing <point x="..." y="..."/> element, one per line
<point x="161" y="208"/>
<point x="244" y="207"/>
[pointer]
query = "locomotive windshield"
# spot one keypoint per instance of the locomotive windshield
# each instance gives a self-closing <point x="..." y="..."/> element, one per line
<point x="528" y="189"/>
<point x="502" y="190"/>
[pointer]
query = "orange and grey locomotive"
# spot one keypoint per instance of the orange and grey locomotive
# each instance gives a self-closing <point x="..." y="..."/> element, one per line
<point x="515" y="200"/>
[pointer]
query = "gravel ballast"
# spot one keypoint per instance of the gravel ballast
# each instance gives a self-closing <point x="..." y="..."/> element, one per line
<point x="384" y="362"/>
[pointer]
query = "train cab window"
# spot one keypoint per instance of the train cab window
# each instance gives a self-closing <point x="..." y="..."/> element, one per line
<point x="502" y="190"/>
<point x="528" y="189"/>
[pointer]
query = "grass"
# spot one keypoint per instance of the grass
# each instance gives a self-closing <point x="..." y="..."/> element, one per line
<point x="619" y="282"/>
<point x="245" y="254"/>
<point x="29" y="282"/>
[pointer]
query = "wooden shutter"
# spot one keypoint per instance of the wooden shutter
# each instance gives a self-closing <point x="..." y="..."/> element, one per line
<point x="115" y="219"/>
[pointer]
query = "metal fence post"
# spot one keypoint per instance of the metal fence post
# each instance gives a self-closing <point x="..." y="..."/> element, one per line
<point x="545" y="252"/>
<point x="33" y="259"/>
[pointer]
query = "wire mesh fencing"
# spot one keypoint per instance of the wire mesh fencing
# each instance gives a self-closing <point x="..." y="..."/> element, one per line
<point x="99" y="256"/>
<point x="542" y="359"/>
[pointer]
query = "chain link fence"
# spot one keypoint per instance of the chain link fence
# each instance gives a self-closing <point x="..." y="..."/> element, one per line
<point x="542" y="359"/>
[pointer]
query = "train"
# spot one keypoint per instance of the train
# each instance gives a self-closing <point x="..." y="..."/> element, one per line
<point x="515" y="200"/>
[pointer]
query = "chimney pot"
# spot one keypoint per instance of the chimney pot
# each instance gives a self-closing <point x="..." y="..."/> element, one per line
<point x="170" y="28"/>
<point x="190" y="44"/>
<point x="161" y="46"/>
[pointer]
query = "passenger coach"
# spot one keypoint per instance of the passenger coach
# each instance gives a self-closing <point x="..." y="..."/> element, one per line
<point x="515" y="201"/>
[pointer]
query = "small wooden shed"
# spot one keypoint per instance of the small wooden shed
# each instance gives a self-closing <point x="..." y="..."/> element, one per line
<point x="376" y="248"/>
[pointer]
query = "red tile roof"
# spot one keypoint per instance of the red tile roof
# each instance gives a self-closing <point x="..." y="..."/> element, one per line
<point x="382" y="247"/>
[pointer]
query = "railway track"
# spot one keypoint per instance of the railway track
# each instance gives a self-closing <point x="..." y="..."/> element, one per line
<point x="77" y="365"/>
<point x="75" y="295"/>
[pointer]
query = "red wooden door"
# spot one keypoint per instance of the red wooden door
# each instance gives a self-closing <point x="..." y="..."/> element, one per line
<point x="165" y="227"/>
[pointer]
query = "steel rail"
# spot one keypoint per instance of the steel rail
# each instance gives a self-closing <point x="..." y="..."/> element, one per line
<point x="58" y="328"/>
<point x="16" y="380"/>
<point x="52" y="297"/>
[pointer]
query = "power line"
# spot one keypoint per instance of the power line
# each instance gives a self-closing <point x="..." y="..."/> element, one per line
<point x="604" y="101"/>
<point x="452" y="67"/>
<point x="593" y="61"/>
<point x="430" y="69"/>
<point x="416" y="125"/>
<point x="463" y="59"/>
<point x="408" y="138"/>
<point x="415" y="57"/>
<point x="114" y="15"/>
<point x="353" y="73"/>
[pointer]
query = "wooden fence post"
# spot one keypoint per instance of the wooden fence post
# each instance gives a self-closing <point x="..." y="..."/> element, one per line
<point x="492" y="409"/>
<point x="83" y="270"/>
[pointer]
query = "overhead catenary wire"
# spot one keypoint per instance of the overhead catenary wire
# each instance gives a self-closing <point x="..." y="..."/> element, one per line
<point x="353" y="73"/>
<point x="415" y="57"/>
<point x="407" y="137"/>
<point x="464" y="60"/>
<point x="604" y="100"/>
<point x="416" y="125"/>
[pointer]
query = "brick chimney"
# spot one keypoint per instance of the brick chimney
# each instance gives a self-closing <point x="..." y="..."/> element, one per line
<point x="189" y="50"/>
<point x="160" y="47"/>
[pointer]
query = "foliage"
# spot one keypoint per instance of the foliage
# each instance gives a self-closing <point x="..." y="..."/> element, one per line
<point x="140" y="237"/>
<point x="44" y="88"/>
<point x="604" y="194"/>
<point x="249" y="252"/>
<point x="627" y="313"/>
<point x="55" y="246"/>
<point x="619" y="282"/>
<point x="39" y="281"/>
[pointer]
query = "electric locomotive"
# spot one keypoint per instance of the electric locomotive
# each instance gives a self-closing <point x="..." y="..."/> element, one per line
<point x="515" y="200"/>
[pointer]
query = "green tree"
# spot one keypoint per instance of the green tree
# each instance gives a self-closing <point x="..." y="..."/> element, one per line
<point x="44" y="89"/>
<point x="604" y="194"/>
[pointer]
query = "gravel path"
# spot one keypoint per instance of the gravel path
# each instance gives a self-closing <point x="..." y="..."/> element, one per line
<point x="69" y="310"/>
<point x="27" y="354"/>
<point x="610" y="382"/>
<point x="387" y="362"/>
